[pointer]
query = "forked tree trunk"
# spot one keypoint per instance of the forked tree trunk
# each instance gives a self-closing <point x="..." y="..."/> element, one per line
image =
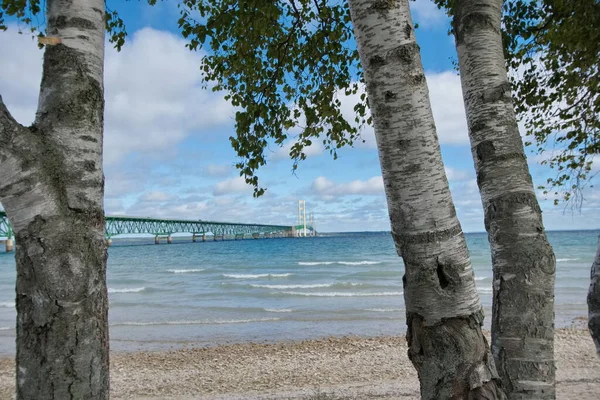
<point x="444" y="314"/>
<point x="593" y="300"/>
<point x="51" y="186"/>
<point x="523" y="260"/>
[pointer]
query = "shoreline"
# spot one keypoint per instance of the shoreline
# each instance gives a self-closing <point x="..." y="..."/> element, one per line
<point x="355" y="367"/>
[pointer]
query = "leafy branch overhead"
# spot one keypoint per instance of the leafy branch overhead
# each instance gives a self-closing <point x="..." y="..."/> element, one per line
<point x="552" y="48"/>
<point x="284" y="65"/>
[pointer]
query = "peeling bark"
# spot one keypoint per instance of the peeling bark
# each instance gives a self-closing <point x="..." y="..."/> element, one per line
<point x="523" y="260"/>
<point x="444" y="313"/>
<point x="51" y="186"/>
<point x="593" y="300"/>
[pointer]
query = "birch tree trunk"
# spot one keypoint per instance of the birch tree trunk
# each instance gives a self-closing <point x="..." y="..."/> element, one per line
<point x="523" y="260"/>
<point x="444" y="314"/>
<point x="51" y="186"/>
<point x="593" y="300"/>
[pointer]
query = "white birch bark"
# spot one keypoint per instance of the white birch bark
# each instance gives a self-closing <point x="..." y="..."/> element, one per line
<point x="51" y="186"/>
<point x="523" y="260"/>
<point x="444" y="314"/>
<point x="593" y="300"/>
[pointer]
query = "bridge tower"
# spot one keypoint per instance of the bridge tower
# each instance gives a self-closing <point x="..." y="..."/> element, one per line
<point x="311" y="222"/>
<point x="302" y="216"/>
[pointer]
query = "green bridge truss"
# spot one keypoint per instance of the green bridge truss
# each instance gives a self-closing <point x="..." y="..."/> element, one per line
<point x="165" y="227"/>
<point x="5" y="227"/>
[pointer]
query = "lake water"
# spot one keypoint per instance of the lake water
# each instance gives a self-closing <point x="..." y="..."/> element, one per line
<point x="165" y="296"/>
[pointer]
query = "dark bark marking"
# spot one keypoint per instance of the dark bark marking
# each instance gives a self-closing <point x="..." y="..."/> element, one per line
<point x="18" y="188"/>
<point x="88" y="138"/>
<point x="412" y="169"/>
<point x="406" y="53"/>
<point x="417" y="79"/>
<point x="376" y="61"/>
<point x="497" y="93"/>
<point x="428" y="237"/>
<point x="485" y="150"/>
<point x="473" y="21"/>
<point x="62" y="22"/>
<point x="390" y="96"/>
<point x="383" y="5"/>
<point x="502" y="205"/>
<point x="89" y="166"/>
<point x="442" y="276"/>
<point x="407" y="31"/>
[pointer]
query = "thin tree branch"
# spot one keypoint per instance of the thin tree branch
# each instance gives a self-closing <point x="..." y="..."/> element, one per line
<point x="8" y="126"/>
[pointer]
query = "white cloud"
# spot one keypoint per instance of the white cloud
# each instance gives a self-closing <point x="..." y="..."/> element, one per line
<point x="156" y="197"/>
<point x="427" y="14"/>
<point x="21" y="66"/>
<point x="445" y="93"/>
<point x="233" y="185"/>
<point x="325" y="187"/>
<point x="454" y="174"/>
<point x="154" y="98"/>
<point x="218" y="170"/>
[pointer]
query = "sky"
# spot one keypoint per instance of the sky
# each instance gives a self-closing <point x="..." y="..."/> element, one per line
<point x="167" y="152"/>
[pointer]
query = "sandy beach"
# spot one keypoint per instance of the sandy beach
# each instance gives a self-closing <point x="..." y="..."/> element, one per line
<point x="350" y="367"/>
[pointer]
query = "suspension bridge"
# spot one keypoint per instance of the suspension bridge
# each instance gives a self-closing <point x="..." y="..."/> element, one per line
<point x="163" y="229"/>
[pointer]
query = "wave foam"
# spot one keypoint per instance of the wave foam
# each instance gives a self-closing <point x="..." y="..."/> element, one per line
<point x="185" y="271"/>
<point x="566" y="259"/>
<point x="194" y="322"/>
<point x="278" y="310"/>
<point x="339" y="262"/>
<point x="384" y="309"/>
<point x="309" y="286"/>
<point x="255" y="276"/>
<point x="316" y="262"/>
<point x="5" y="328"/>
<point x="485" y="290"/>
<point x="7" y="304"/>
<point x="126" y="290"/>
<point x="481" y="278"/>
<point x="339" y="294"/>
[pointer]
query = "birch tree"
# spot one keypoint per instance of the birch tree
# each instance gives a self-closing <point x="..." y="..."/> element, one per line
<point x="593" y="301"/>
<point x="444" y="314"/>
<point x="51" y="187"/>
<point x="523" y="260"/>
<point x="556" y="43"/>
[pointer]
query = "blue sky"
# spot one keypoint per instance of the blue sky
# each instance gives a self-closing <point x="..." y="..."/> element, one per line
<point x="167" y="152"/>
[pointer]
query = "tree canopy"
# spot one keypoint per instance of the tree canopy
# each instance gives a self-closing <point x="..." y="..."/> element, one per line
<point x="553" y="47"/>
<point x="285" y="64"/>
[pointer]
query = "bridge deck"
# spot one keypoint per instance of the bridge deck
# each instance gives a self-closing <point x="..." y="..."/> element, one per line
<point x="122" y="225"/>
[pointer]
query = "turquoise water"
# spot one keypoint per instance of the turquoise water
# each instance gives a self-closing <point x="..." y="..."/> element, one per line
<point x="164" y="296"/>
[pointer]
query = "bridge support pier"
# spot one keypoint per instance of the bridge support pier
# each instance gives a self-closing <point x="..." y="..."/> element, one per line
<point x="203" y="237"/>
<point x="108" y="242"/>
<point x="193" y="238"/>
<point x="169" y="239"/>
<point x="255" y="235"/>
<point x="9" y="245"/>
<point x="156" y="240"/>
<point x="239" y="236"/>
